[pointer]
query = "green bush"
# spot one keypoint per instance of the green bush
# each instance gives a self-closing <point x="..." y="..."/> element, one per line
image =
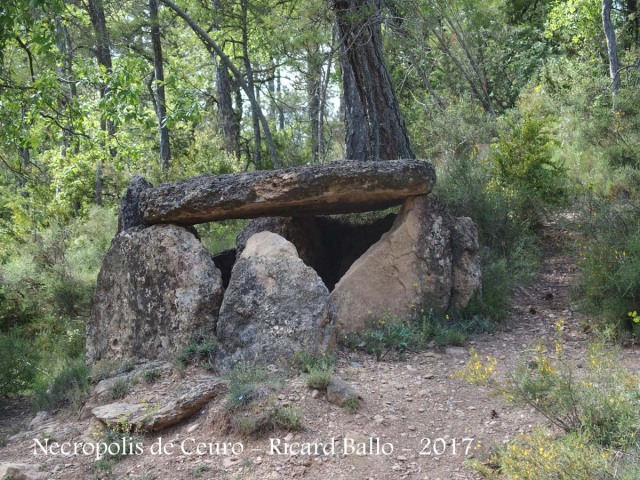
<point x="609" y="282"/>
<point x="597" y="410"/>
<point x="18" y="364"/>
<point x="320" y="376"/>
<point x="67" y="386"/>
<point x="269" y="419"/>
<point x="508" y="246"/>
<point x="388" y="335"/>
<point x="247" y="382"/>
<point x="523" y="163"/>
<point x="119" y="389"/>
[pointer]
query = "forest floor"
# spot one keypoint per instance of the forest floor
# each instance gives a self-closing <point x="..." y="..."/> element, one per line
<point x="411" y="405"/>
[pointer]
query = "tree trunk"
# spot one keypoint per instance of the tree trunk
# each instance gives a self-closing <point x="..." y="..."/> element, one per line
<point x="357" y="145"/>
<point x="248" y="68"/>
<point x="314" y="87"/>
<point x="103" y="56"/>
<point x="227" y="117"/>
<point x="159" y="94"/>
<point x="369" y="94"/>
<point x="612" y="47"/>
<point x="279" y="94"/>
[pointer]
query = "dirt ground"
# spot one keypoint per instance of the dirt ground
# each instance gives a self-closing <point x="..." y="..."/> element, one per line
<point x="416" y="421"/>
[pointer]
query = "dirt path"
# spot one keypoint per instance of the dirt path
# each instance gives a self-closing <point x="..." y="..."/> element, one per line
<point x="416" y="421"/>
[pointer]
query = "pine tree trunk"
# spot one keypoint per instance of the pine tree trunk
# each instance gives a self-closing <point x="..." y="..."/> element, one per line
<point x="103" y="56"/>
<point x="369" y="94"/>
<point x="160" y="103"/>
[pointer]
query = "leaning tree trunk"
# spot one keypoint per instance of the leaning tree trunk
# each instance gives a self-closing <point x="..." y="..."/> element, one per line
<point x="160" y="98"/>
<point x="612" y="47"/>
<point x="382" y="135"/>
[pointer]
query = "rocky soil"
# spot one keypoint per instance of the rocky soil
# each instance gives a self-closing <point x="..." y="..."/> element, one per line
<point x="415" y="421"/>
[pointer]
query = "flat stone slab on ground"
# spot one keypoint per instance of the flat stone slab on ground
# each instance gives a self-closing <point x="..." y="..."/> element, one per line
<point x="331" y="188"/>
<point x="184" y="402"/>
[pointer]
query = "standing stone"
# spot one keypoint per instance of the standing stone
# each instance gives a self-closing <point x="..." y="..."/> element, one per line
<point x="275" y="305"/>
<point x="467" y="275"/>
<point x="158" y="286"/>
<point x="303" y="232"/>
<point x="411" y="267"/>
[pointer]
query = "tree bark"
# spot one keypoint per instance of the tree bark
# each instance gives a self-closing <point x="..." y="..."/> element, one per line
<point x="159" y="94"/>
<point x="369" y="94"/>
<point x="227" y="117"/>
<point x="103" y="56"/>
<point x="248" y="68"/>
<point x="314" y="87"/>
<point x="612" y="47"/>
<point x="213" y="46"/>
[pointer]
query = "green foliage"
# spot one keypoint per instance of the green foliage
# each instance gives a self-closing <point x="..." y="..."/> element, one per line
<point x="247" y="382"/>
<point x="609" y="283"/>
<point x="352" y="404"/>
<point x="541" y="456"/>
<point x="319" y="368"/>
<point x="219" y="236"/>
<point x="103" y="468"/>
<point x="151" y="375"/>
<point x="199" y="469"/>
<point x="524" y="168"/>
<point x="597" y="410"/>
<point x="66" y="386"/>
<point x="201" y="349"/>
<point x="118" y="389"/>
<point x="320" y="376"/>
<point x="250" y="408"/>
<point x="426" y="330"/>
<point x="18" y="362"/>
<point x="106" y="368"/>
<point x="269" y="419"/>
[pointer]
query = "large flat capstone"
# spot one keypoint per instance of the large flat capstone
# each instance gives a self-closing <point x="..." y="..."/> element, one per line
<point x="332" y="188"/>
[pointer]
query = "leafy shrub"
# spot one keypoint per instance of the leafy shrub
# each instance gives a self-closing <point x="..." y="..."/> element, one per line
<point x="151" y="375"/>
<point x="508" y="246"/>
<point x="18" y="362"/>
<point x="304" y="361"/>
<point x="539" y="456"/>
<point x="598" y="410"/>
<point x="320" y="376"/>
<point x="524" y="166"/>
<point x="68" y="386"/>
<point x="609" y="283"/>
<point x="269" y="419"/>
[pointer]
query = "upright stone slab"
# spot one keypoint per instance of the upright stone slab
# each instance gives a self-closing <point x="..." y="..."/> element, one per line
<point x="411" y="267"/>
<point x="157" y="287"/>
<point x="274" y="306"/>
<point x="336" y="187"/>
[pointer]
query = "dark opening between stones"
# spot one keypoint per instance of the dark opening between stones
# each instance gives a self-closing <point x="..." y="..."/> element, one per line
<point x="329" y="245"/>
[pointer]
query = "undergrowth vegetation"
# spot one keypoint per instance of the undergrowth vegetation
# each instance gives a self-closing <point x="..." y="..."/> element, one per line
<point x="596" y="409"/>
<point x="427" y="330"/>
<point x="251" y="408"/>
